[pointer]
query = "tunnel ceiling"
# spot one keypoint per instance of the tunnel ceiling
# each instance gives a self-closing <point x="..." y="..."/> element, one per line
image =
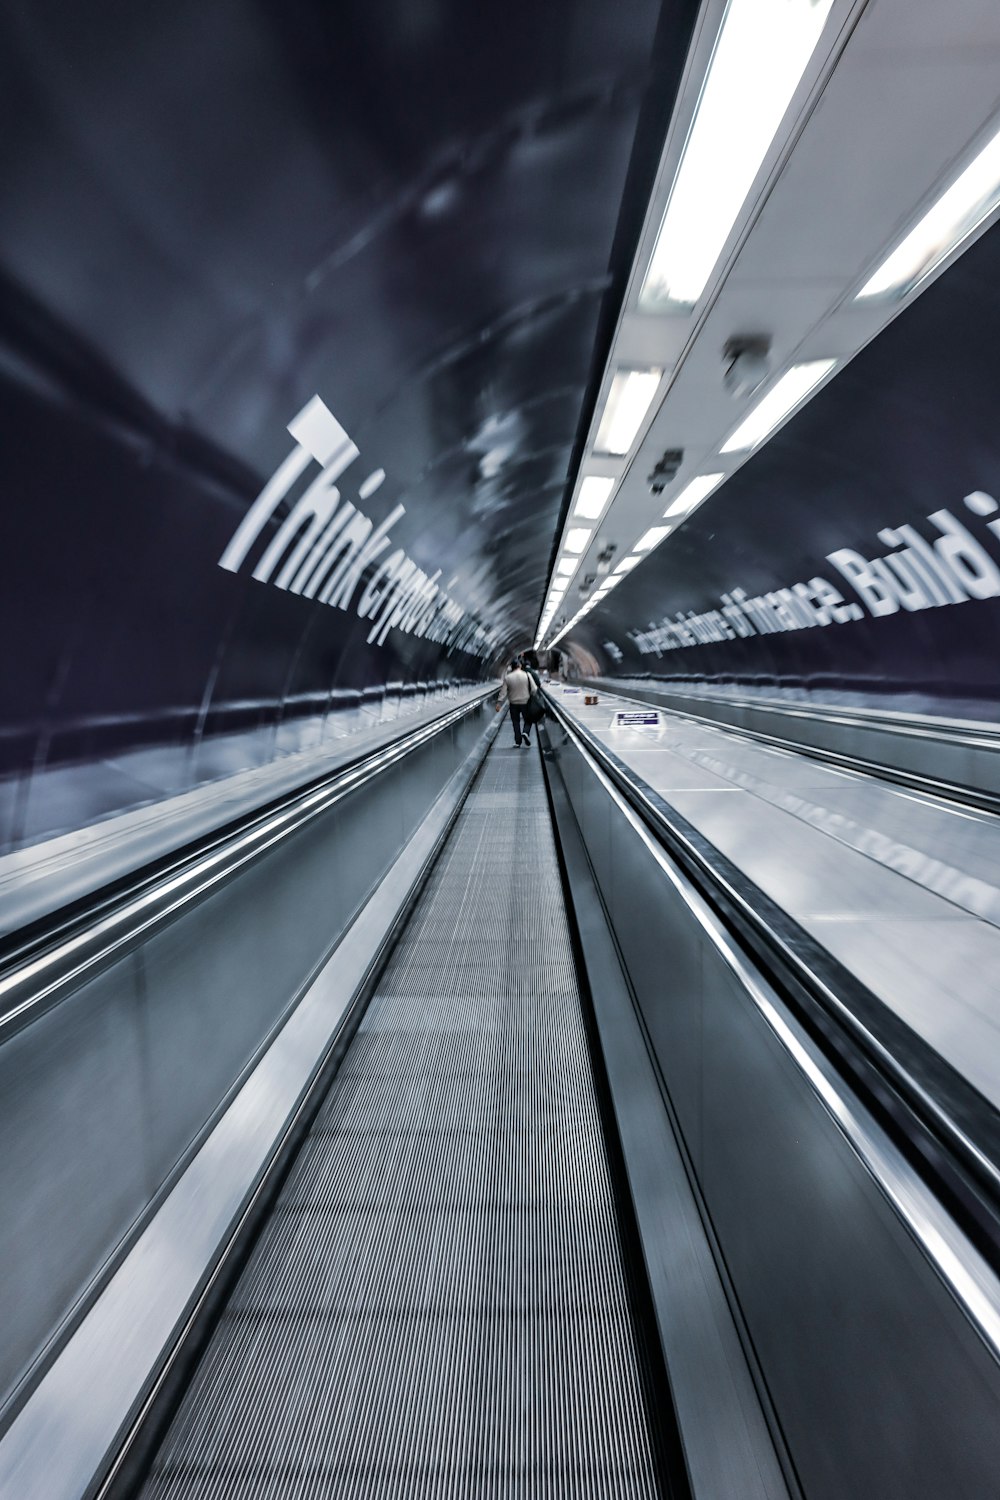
<point x="896" y="100"/>
<point x="407" y="208"/>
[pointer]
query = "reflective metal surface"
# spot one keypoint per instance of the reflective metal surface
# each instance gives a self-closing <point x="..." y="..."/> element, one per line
<point x="75" y="1423"/>
<point x="859" y="1304"/>
<point x="931" y="753"/>
<point x="438" y="1300"/>
<point x="884" y="879"/>
<point x="63" y="869"/>
<point x="114" y="1074"/>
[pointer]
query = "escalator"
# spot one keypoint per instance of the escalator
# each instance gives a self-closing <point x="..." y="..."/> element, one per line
<point x="443" y="1299"/>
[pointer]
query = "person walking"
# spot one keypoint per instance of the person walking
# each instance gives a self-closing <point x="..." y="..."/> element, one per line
<point x="531" y="667"/>
<point x="541" y="709"/>
<point x="516" y="688"/>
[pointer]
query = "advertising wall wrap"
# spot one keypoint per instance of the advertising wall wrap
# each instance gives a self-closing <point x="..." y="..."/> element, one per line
<point x="857" y="555"/>
<point x="299" y="305"/>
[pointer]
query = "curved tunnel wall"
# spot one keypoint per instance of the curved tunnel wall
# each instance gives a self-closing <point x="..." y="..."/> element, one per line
<point x="388" y="228"/>
<point x="857" y="556"/>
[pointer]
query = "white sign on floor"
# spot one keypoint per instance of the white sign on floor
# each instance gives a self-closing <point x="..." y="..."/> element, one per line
<point x="637" y="718"/>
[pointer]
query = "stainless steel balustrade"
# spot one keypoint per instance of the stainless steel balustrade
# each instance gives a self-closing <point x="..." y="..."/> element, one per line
<point x="437" y="1304"/>
<point x="874" y="1323"/>
<point x="123" y="1037"/>
<point x="954" y="758"/>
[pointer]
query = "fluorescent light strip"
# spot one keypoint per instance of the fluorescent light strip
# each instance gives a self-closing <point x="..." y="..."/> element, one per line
<point x="762" y="51"/>
<point x="693" y="494"/>
<point x="628" y="401"/>
<point x="567" y="566"/>
<point x="627" y="564"/>
<point x="576" y="539"/>
<point x="593" y="497"/>
<point x="652" y="538"/>
<point x="957" y="212"/>
<point x="782" y="399"/>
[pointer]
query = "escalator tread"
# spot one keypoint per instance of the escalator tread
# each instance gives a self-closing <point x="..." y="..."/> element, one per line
<point x="437" y="1305"/>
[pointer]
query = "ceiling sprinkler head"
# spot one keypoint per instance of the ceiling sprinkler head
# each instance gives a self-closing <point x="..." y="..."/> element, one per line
<point x="747" y="363"/>
<point x="604" y="557"/>
<point x="665" y="470"/>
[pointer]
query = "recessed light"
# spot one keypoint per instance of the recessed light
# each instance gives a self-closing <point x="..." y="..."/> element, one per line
<point x="953" y="216"/>
<point x="761" y="53"/>
<point x="783" y="397"/>
<point x="593" y="496"/>
<point x="625" y="409"/>
<point x="693" y="494"/>
<point x="652" y="538"/>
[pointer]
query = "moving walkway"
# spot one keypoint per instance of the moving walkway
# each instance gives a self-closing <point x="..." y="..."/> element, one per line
<point x="534" y="1180"/>
<point x="437" y="1303"/>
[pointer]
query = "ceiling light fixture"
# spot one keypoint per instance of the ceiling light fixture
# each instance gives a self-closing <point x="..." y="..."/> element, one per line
<point x="567" y="566"/>
<point x="628" y="401"/>
<point x="652" y="538"/>
<point x="693" y="494"/>
<point x="762" y="51"/>
<point x="959" y="210"/>
<point x="782" y="399"/>
<point x="593" y="497"/>
<point x="627" y="564"/>
<point x="604" y="557"/>
<point x="577" y="538"/>
<point x="664" y="470"/>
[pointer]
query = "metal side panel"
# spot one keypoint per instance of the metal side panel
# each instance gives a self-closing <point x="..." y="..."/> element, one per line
<point x="729" y="1449"/>
<point x="65" y="1434"/>
<point x="438" y="1304"/>
<point x="948" y="757"/>
<point x="124" y="1038"/>
<point x="871" y="1318"/>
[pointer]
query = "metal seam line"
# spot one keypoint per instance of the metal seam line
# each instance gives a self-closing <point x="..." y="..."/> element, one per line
<point x="988" y="1167"/>
<point x="969" y="1278"/>
<point x="437" y="1306"/>
<point x="192" y="883"/>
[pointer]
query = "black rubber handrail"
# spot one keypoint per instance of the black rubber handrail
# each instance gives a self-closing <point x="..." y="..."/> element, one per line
<point x="40" y="965"/>
<point x="932" y="787"/>
<point x="943" y="1125"/>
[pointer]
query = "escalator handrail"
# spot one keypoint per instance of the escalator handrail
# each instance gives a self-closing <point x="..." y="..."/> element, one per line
<point x="941" y="1122"/>
<point x="987" y="738"/>
<point x="66" y="953"/>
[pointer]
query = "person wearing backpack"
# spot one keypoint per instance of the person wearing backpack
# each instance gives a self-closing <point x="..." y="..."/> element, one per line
<point x="529" y="666"/>
<point x="517" y="689"/>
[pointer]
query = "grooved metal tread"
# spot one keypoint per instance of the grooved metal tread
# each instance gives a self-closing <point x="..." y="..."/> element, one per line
<point x="437" y="1305"/>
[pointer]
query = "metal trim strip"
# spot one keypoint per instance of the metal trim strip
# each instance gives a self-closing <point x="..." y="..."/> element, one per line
<point x="971" y="1280"/>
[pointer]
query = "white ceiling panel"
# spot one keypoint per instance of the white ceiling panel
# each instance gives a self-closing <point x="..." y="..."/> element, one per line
<point x="882" y="135"/>
<point x="866" y="146"/>
<point x="935" y="26"/>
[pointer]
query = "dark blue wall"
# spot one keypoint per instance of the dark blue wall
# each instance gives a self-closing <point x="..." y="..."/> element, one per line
<point x="907" y="430"/>
<point x="211" y="214"/>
